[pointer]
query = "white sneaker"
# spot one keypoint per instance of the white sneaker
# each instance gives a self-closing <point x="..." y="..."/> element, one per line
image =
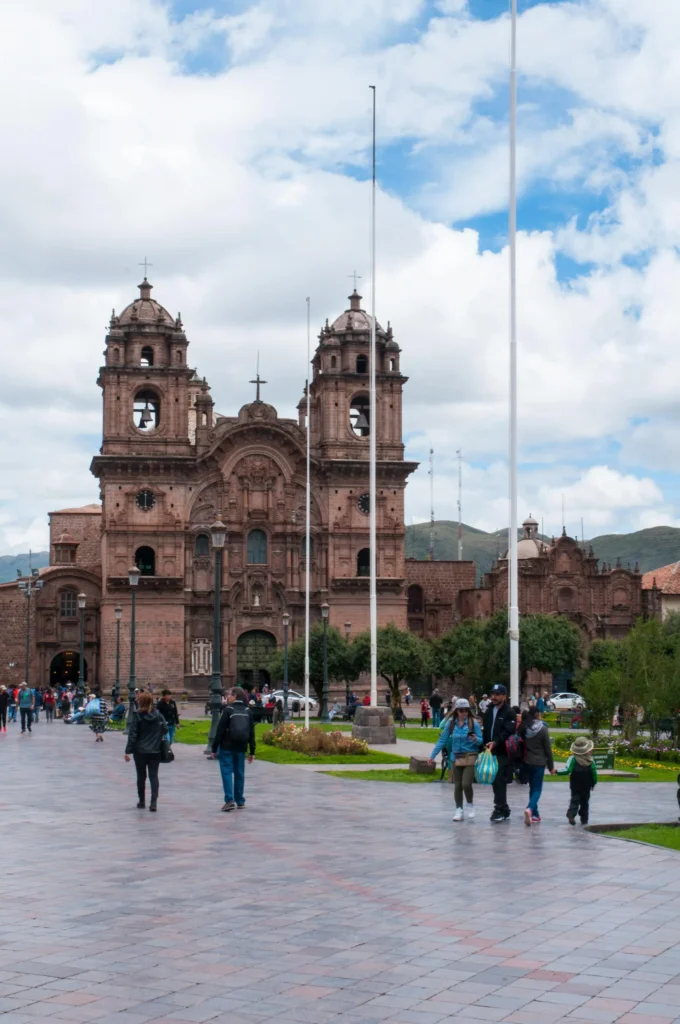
<point x="470" y="811"/>
<point x="458" y="816"/>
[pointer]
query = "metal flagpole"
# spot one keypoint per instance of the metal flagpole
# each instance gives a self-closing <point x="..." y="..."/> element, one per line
<point x="513" y="610"/>
<point x="373" y="454"/>
<point x="308" y="504"/>
<point x="459" y="453"/>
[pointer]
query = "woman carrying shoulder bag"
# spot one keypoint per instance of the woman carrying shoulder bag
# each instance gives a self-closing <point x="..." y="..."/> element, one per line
<point x="462" y="736"/>
<point x="147" y="732"/>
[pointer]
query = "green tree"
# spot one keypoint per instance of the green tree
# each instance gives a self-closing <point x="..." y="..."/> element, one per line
<point x="604" y="654"/>
<point x="600" y="690"/>
<point x="340" y="663"/>
<point x="650" y="677"/>
<point x="402" y="656"/>
<point x="459" y="653"/>
<point x="548" y="643"/>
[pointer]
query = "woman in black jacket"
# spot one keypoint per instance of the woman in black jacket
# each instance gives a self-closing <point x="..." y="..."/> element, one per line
<point x="147" y="730"/>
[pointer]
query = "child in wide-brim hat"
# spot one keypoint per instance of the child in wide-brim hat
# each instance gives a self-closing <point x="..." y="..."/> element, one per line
<point x="582" y="774"/>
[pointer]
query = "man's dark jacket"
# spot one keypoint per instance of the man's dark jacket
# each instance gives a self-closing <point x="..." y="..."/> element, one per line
<point x="168" y="709"/>
<point x="222" y="737"/>
<point x="499" y="731"/>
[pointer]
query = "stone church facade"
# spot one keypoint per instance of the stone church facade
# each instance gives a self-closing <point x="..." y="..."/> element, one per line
<point x="169" y="466"/>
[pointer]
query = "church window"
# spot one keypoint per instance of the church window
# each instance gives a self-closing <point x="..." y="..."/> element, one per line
<point x="359" y="416"/>
<point x="146" y="410"/>
<point x="116" y="355"/>
<point x="362" y="364"/>
<point x="145" y="560"/>
<point x="202" y="545"/>
<point x="303" y="547"/>
<point x="393" y="364"/>
<point x="146" y="356"/>
<point x="415" y="600"/>
<point x="334" y="362"/>
<point x="566" y="599"/>
<point x="364" y="562"/>
<point x="68" y="604"/>
<point x="257" y="547"/>
<point x="178" y="357"/>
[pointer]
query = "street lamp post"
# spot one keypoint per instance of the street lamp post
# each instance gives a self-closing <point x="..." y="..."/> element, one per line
<point x="27" y="587"/>
<point x="133" y="578"/>
<point x="324" y="700"/>
<point x="348" y="630"/>
<point x="118" y="612"/>
<point x="218" y="532"/>
<point x="286" y="623"/>
<point x="80" y="689"/>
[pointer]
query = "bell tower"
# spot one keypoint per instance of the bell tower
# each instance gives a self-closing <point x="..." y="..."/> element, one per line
<point x="340" y="430"/>
<point x="146" y="381"/>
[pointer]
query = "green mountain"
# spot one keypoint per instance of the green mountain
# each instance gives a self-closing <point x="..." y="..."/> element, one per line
<point x="10" y="564"/>
<point x="650" y="548"/>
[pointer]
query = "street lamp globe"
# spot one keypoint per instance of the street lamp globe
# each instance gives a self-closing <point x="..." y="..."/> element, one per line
<point x="118" y="612"/>
<point x="324" y="610"/>
<point x="82" y="600"/>
<point x="218" y="532"/>
<point x="286" y="619"/>
<point x="133" y="575"/>
<point x="348" y="629"/>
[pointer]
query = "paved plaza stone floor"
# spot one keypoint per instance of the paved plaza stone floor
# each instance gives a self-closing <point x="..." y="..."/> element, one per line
<point x="327" y="900"/>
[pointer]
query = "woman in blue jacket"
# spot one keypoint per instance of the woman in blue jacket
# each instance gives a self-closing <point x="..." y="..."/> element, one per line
<point x="462" y="736"/>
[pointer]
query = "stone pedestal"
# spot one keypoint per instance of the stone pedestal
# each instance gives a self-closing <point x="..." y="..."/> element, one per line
<point x="375" y="725"/>
<point x="421" y="766"/>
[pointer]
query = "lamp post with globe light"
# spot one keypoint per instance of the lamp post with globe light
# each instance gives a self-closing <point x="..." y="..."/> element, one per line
<point x="118" y="612"/>
<point x="133" y="579"/>
<point x="324" y="701"/>
<point x="28" y="586"/>
<point x="218" y="532"/>
<point x="80" y="689"/>
<point x="348" y="630"/>
<point x="286" y="623"/>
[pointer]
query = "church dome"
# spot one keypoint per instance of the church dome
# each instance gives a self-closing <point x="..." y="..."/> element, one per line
<point x="353" y="319"/>
<point x="145" y="310"/>
<point x="530" y="547"/>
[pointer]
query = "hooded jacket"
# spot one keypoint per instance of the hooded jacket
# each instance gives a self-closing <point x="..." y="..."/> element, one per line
<point x="501" y="729"/>
<point x="538" y="746"/>
<point x="147" y="729"/>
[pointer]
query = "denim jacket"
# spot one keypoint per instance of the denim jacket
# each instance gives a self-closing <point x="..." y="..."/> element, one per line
<point x="457" y="739"/>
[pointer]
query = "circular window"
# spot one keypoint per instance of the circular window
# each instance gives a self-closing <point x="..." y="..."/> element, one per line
<point x="145" y="500"/>
<point x="364" y="503"/>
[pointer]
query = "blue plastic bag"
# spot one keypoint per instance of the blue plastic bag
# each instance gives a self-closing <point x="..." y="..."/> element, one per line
<point x="486" y="768"/>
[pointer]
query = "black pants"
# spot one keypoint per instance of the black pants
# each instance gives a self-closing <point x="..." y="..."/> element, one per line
<point x="147" y="763"/>
<point x="26" y="718"/>
<point x="500" y="786"/>
<point x="3" y="718"/>
<point x="580" y="804"/>
<point x="49" y="713"/>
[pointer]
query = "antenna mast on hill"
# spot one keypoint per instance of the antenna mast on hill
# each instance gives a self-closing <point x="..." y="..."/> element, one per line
<point x="430" y="553"/>
<point x="459" y="453"/>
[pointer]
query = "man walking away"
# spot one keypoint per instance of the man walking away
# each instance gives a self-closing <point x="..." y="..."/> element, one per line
<point x="37" y="703"/>
<point x="500" y="722"/>
<point x="4" y="703"/>
<point x="168" y="710"/>
<point x="235" y="735"/>
<point x="26" y="707"/>
<point x="436" y="701"/>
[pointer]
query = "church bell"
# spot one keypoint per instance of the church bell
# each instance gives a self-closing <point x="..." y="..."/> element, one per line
<point x="146" y="417"/>
<point x="361" y="424"/>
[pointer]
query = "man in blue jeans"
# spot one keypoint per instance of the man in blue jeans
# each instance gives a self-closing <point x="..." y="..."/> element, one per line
<point x="235" y="735"/>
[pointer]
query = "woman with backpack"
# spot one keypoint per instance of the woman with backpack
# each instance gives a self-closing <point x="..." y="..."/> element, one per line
<point x="462" y="737"/>
<point x="146" y="735"/>
<point x="538" y="756"/>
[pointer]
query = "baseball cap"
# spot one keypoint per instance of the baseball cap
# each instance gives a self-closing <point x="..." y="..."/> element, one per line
<point x="462" y="704"/>
<point x="499" y="688"/>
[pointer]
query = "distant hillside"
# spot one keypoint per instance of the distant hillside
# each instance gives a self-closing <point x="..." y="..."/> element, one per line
<point x="10" y="563"/>
<point x="649" y="548"/>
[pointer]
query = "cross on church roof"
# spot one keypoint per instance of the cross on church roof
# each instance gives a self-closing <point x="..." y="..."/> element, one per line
<point x="145" y="264"/>
<point x="357" y="277"/>
<point x="258" y="381"/>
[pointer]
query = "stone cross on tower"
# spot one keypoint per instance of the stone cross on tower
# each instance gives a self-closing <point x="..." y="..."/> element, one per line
<point x="145" y="264"/>
<point x="356" y="277"/>
<point x="258" y="381"/>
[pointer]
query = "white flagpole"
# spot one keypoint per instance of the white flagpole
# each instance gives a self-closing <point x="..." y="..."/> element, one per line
<point x="513" y="609"/>
<point x="308" y="508"/>
<point x="373" y="454"/>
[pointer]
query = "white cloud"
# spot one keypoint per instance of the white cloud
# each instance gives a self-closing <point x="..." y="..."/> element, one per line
<point x="235" y="186"/>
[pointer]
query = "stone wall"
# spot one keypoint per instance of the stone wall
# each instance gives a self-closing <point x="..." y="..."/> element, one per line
<point x="85" y="528"/>
<point x="13" y="635"/>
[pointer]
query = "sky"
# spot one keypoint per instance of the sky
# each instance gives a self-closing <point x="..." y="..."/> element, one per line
<point x="229" y="143"/>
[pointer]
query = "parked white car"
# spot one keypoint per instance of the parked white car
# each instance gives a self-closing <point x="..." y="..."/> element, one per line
<point x="566" y="702"/>
<point x="296" y="701"/>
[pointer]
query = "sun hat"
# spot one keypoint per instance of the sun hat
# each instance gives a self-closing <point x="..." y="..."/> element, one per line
<point x="582" y="745"/>
<point x="462" y="704"/>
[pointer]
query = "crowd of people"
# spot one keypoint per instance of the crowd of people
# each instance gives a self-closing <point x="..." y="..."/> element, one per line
<point x="521" y="745"/>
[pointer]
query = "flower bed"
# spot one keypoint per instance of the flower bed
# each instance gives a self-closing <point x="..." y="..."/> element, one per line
<point x="640" y="749"/>
<point x="313" y="741"/>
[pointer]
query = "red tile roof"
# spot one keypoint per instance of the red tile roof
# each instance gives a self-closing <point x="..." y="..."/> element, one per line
<point x="85" y="510"/>
<point x="666" y="579"/>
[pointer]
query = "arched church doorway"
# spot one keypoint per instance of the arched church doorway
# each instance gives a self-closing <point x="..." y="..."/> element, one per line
<point x="254" y="651"/>
<point x="64" y="669"/>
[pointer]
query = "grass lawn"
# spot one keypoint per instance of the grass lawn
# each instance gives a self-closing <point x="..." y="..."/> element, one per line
<point x="404" y="775"/>
<point x="196" y="732"/>
<point x="657" y="835"/>
<point x="395" y="775"/>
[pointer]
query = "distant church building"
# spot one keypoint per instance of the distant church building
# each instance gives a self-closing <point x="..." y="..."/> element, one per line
<point x="562" y="578"/>
<point x="169" y="466"/>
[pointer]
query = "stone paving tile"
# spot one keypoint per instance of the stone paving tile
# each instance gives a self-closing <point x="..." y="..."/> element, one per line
<point x="344" y="908"/>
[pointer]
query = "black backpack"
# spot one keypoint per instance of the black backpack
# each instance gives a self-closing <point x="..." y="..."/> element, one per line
<point x="239" y="726"/>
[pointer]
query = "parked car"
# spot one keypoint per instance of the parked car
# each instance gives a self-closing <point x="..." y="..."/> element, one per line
<point x="296" y="701"/>
<point x="566" y="702"/>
